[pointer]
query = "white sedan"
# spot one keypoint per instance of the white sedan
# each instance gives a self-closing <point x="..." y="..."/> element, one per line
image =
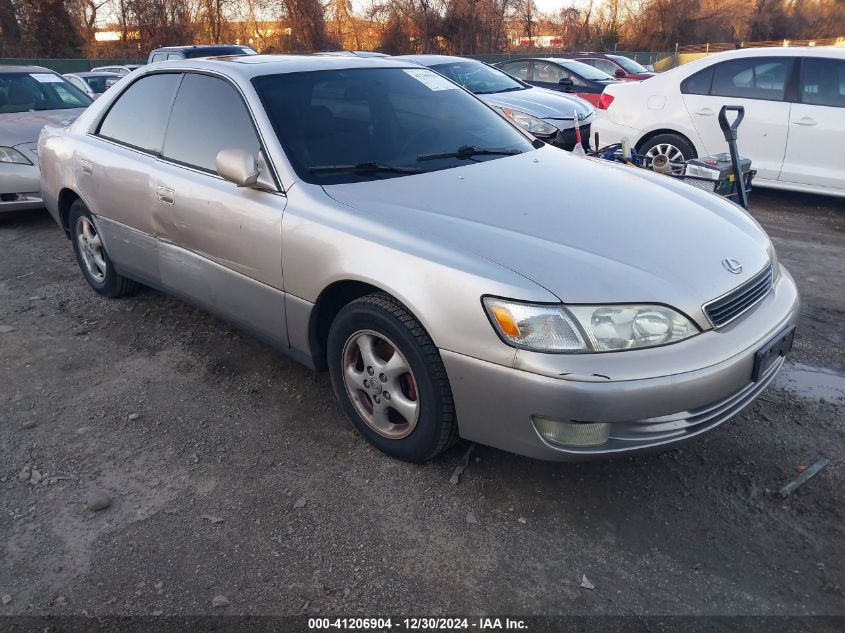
<point x="794" y="127"/>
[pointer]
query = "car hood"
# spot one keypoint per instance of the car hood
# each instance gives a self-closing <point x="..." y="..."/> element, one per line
<point x="24" y="127"/>
<point x="588" y="231"/>
<point x="539" y="102"/>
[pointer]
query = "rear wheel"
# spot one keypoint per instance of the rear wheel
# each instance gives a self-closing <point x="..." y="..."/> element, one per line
<point x="91" y="255"/>
<point x="674" y="147"/>
<point x="388" y="375"/>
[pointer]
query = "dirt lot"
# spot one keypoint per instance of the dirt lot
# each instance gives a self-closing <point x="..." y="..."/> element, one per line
<point x="231" y="472"/>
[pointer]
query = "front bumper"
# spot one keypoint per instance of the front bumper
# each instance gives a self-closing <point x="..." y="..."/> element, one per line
<point x="19" y="188"/>
<point x="565" y="139"/>
<point x="495" y="404"/>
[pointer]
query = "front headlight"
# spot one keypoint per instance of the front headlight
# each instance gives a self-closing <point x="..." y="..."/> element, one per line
<point x="579" y="329"/>
<point x="11" y="155"/>
<point x="531" y="123"/>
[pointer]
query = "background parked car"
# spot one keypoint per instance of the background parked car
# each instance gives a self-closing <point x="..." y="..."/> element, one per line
<point x="93" y="83"/>
<point x="30" y="98"/>
<point x="189" y="52"/>
<point x="120" y="69"/>
<point x="617" y="66"/>
<point x="546" y="114"/>
<point x="794" y="126"/>
<point x="563" y="75"/>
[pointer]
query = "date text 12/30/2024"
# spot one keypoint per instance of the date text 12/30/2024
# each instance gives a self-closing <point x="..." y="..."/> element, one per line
<point x="418" y="624"/>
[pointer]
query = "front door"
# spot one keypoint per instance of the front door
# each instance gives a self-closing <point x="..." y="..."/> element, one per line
<point x="758" y="84"/>
<point x="817" y="126"/>
<point x="223" y="247"/>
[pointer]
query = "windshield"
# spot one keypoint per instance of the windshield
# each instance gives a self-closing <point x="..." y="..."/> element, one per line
<point x="584" y="70"/>
<point x="479" y="78"/>
<point x="353" y="125"/>
<point x="629" y="64"/>
<point x="27" y="92"/>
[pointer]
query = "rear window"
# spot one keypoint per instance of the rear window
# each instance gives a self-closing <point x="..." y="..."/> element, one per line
<point x="699" y="83"/>
<point x="139" y="116"/>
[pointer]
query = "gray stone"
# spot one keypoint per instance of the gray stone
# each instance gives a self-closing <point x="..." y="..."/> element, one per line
<point x="219" y="601"/>
<point x="97" y="501"/>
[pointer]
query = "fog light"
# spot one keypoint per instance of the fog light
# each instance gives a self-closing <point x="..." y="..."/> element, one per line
<point x="576" y="434"/>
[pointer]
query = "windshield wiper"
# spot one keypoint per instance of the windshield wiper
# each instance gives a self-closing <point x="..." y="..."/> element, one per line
<point x="468" y="151"/>
<point x="363" y="167"/>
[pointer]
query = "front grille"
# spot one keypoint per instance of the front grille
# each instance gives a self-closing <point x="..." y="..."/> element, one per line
<point x="566" y="138"/>
<point x="725" y="309"/>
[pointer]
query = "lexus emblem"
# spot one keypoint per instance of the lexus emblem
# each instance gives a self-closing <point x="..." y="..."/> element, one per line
<point x="732" y="266"/>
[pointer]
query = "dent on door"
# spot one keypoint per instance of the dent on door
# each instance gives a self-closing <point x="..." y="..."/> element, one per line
<point x="222" y="250"/>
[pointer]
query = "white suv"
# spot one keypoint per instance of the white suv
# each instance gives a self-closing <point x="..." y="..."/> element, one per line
<point x="794" y="127"/>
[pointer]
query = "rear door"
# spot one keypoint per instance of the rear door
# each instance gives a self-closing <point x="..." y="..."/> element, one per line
<point x="223" y="245"/>
<point x="759" y="84"/>
<point x="814" y="153"/>
<point x="114" y="168"/>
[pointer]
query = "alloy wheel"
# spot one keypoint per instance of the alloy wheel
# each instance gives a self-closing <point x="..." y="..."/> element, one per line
<point x="674" y="155"/>
<point x="91" y="249"/>
<point x="380" y="384"/>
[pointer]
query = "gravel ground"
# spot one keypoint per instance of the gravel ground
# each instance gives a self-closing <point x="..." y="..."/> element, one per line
<point x="229" y="471"/>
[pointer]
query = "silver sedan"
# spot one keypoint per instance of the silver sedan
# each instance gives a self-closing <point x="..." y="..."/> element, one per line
<point x="30" y="98"/>
<point x="457" y="277"/>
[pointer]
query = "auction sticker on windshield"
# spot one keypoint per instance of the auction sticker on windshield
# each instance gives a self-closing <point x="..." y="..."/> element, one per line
<point x="47" y="78"/>
<point x="432" y="80"/>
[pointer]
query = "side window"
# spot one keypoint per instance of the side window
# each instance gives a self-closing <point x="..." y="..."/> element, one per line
<point x="548" y="73"/>
<point x="754" y="78"/>
<point x="139" y="116"/>
<point x="517" y="69"/>
<point x="605" y="65"/>
<point x="823" y="82"/>
<point x="174" y="56"/>
<point x="208" y="115"/>
<point x="158" y="57"/>
<point x="699" y="83"/>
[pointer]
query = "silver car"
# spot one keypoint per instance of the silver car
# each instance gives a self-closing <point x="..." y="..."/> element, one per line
<point x="93" y="83"/>
<point x="548" y="115"/>
<point x="370" y="217"/>
<point x="30" y="98"/>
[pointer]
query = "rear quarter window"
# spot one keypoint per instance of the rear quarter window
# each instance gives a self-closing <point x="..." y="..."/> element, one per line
<point x="699" y="83"/>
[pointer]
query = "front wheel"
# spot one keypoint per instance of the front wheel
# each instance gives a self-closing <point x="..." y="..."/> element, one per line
<point x="91" y="255"/>
<point x="390" y="380"/>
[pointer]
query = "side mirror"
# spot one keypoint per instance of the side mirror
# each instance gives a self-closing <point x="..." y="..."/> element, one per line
<point x="620" y="73"/>
<point x="243" y="168"/>
<point x="566" y="82"/>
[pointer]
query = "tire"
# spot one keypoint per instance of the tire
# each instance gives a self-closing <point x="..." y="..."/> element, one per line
<point x="91" y="256"/>
<point x="674" y="143"/>
<point x="381" y="324"/>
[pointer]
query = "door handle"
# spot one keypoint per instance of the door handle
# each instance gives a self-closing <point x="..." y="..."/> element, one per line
<point x="87" y="166"/>
<point x="805" y="120"/>
<point x="705" y="112"/>
<point x="165" y="195"/>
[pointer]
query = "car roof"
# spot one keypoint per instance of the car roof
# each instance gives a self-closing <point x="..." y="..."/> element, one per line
<point x="24" y="69"/>
<point x="187" y="47"/>
<point x="780" y="51"/>
<point x="433" y="60"/>
<point x="248" y="66"/>
<point x="91" y="73"/>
